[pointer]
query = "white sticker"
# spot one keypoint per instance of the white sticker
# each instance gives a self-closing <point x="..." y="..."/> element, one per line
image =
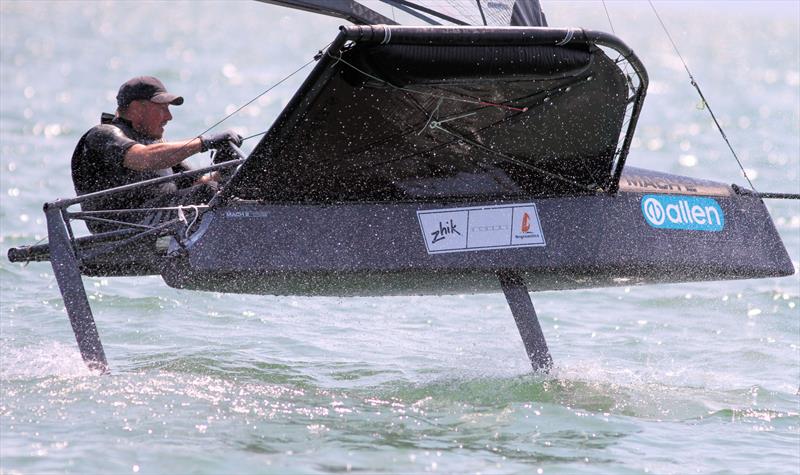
<point x="481" y="228"/>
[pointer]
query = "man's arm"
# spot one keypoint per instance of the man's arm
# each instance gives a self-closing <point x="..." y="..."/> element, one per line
<point x="161" y="155"/>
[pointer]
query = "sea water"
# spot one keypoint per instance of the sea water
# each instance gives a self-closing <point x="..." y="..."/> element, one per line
<point x="684" y="378"/>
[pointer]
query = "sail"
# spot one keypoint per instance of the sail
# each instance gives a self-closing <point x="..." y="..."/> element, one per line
<point x="350" y="10"/>
<point x="527" y="13"/>
<point x="432" y="12"/>
<point x="421" y="113"/>
<point x="476" y="12"/>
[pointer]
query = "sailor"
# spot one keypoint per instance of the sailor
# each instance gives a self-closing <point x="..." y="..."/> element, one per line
<point x="129" y="147"/>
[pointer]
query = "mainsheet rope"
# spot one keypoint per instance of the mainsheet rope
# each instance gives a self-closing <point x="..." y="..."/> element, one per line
<point x="182" y="218"/>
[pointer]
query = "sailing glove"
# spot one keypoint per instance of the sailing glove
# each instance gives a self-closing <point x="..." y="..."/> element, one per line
<point x="215" y="141"/>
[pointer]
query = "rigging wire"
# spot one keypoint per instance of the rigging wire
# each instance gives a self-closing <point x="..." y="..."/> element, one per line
<point x="510" y="159"/>
<point x="270" y="88"/>
<point x="254" y="135"/>
<point x="262" y="93"/>
<point x="273" y="86"/>
<point x="430" y="94"/>
<point x="436" y="124"/>
<point x="480" y="9"/>
<point x="702" y="97"/>
<point x="609" y="17"/>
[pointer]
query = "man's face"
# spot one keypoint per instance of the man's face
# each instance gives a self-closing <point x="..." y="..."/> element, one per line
<point x="149" y="118"/>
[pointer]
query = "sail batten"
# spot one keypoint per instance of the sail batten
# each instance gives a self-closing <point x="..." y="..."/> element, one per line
<point x="350" y="10"/>
<point x="432" y="12"/>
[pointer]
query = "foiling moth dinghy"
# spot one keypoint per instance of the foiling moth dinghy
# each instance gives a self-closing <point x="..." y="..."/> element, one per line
<point x="437" y="160"/>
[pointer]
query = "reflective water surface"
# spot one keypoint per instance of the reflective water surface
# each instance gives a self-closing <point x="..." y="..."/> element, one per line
<point x="689" y="378"/>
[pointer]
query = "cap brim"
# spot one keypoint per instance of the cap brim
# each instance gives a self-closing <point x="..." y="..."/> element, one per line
<point x="167" y="98"/>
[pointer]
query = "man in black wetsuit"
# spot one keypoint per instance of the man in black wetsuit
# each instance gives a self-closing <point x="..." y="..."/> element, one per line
<point x="129" y="147"/>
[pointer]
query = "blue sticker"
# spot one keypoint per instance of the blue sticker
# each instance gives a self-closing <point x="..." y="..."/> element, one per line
<point x="689" y="213"/>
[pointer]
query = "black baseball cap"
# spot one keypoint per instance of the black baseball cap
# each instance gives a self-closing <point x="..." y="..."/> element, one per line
<point x="148" y="88"/>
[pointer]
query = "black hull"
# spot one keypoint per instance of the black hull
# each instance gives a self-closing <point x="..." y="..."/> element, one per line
<point x="378" y="249"/>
